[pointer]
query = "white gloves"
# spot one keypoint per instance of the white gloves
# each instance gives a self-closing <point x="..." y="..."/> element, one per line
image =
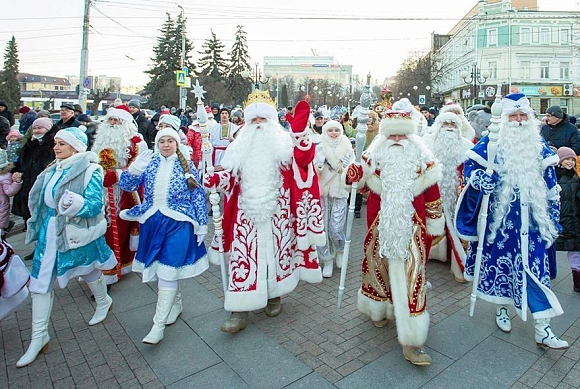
<point x="70" y="203"/>
<point x="346" y="160"/>
<point x="141" y="162"/>
<point x="67" y="199"/>
<point x="200" y="238"/>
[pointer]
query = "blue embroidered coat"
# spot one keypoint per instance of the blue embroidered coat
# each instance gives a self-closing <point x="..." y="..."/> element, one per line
<point x="510" y="273"/>
<point x="166" y="191"/>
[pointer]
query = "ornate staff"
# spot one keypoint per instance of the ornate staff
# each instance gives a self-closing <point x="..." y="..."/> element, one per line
<point x="214" y="197"/>
<point x="361" y="138"/>
<point x="482" y="218"/>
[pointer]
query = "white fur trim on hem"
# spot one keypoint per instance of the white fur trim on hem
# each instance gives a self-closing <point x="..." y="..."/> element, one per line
<point x="245" y="301"/>
<point x="376" y="310"/>
<point x="312" y="276"/>
<point x="170" y="273"/>
<point x="214" y="256"/>
<point x="436" y="227"/>
<point x="80" y="271"/>
<point x="411" y="330"/>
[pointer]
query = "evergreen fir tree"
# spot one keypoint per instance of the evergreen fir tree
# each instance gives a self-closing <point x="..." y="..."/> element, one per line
<point x="239" y="58"/>
<point x="9" y="86"/>
<point x="212" y="62"/>
<point x="161" y="87"/>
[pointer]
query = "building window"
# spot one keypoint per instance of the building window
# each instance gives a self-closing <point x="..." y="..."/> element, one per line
<point x="525" y="35"/>
<point x="493" y="70"/>
<point x="545" y="35"/>
<point x="544" y="70"/>
<point x="564" y="36"/>
<point x="525" y="69"/>
<point x="492" y="37"/>
<point x="564" y="70"/>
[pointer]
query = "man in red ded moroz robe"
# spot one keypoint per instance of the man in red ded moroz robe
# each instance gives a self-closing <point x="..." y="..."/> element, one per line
<point x="117" y="143"/>
<point x="272" y="211"/>
<point x="449" y="147"/>
<point x="403" y="215"/>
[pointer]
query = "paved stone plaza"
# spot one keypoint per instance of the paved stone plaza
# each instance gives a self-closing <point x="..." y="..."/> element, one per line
<point x="310" y="344"/>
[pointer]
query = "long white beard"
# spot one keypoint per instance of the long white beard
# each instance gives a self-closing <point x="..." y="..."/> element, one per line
<point x="448" y="151"/>
<point x="398" y="173"/>
<point x="115" y="137"/>
<point x="521" y="174"/>
<point x="258" y="153"/>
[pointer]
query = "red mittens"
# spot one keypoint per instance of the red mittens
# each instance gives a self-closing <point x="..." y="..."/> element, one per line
<point x="210" y="181"/>
<point x="354" y="173"/>
<point x="110" y="178"/>
<point x="299" y="121"/>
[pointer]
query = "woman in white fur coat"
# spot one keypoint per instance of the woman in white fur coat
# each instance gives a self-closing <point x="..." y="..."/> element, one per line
<point x="333" y="154"/>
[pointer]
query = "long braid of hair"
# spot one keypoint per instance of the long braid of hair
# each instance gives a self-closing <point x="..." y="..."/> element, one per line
<point x="190" y="180"/>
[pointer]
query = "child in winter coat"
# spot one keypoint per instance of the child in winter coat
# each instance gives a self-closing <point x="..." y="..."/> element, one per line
<point x="569" y="239"/>
<point x="333" y="154"/>
<point x="9" y="186"/>
<point x="13" y="145"/>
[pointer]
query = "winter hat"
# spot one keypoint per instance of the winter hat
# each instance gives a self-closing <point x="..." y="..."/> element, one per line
<point x="68" y="106"/>
<point x="75" y="137"/>
<point x="43" y="122"/>
<point x="397" y="123"/>
<point x="167" y="132"/>
<point x="556" y="111"/>
<point x="43" y="113"/>
<point x="215" y="105"/>
<point x="224" y="109"/>
<point x="84" y="118"/>
<point x="14" y="132"/>
<point x="332" y="124"/>
<point x="424" y="109"/>
<point x="78" y="108"/>
<point x="566" y="152"/>
<point x="516" y="102"/>
<point x="172" y="120"/>
<point x="117" y="102"/>
<point x="134" y="103"/>
<point x="24" y="109"/>
<point x="121" y="112"/>
<point x="448" y="117"/>
<point x="237" y="114"/>
<point x="3" y="159"/>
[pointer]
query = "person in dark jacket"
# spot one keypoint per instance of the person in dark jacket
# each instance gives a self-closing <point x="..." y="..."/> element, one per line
<point x="67" y="117"/>
<point x="558" y="131"/>
<point x="28" y="116"/>
<point x="35" y="156"/>
<point x="142" y="122"/>
<point x="91" y="128"/>
<point x="569" y="239"/>
<point x="152" y="130"/>
<point x="4" y="130"/>
<point x="5" y="112"/>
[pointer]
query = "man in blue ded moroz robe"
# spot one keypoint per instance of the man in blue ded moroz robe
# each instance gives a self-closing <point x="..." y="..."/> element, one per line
<point x="518" y="257"/>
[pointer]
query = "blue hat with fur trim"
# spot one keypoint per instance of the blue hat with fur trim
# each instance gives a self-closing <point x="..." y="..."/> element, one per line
<point x="515" y="102"/>
<point x="74" y="137"/>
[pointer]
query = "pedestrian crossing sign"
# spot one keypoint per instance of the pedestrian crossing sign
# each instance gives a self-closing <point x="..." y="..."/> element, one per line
<point x="180" y="78"/>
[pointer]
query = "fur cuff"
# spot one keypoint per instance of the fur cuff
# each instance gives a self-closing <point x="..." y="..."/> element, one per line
<point x="76" y="206"/>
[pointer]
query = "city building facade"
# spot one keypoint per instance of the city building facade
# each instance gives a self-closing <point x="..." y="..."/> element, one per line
<point x="514" y="47"/>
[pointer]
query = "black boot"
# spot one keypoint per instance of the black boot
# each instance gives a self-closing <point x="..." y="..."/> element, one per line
<point x="576" y="279"/>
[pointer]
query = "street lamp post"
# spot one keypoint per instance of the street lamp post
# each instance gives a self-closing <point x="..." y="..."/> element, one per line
<point x="474" y="78"/>
<point x="257" y="80"/>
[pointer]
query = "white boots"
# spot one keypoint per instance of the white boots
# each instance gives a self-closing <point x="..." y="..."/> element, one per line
<point x="502" y="318"/>
<point x="41" y="309"/>
<point x="545" y="337"/>
<point x="165" y="300"/>
<point x="176" y="310"/>
<point x="103" y="300"/>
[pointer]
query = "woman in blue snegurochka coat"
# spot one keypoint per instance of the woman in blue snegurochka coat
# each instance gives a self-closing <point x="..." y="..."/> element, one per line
<point x="173" y="220"/>
<point x="67" y="220"/>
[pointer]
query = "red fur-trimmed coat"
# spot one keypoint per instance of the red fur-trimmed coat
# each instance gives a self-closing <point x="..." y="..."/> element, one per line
<point x="267" y="260"/>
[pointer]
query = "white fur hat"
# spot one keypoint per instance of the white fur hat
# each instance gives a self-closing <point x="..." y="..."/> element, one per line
<point x="397" y="123"/>
<point x="448" y="117"/>
<point x="260" y="109"/>
<point x="119" y="114"/>
<point x="172" y="120"/>
<point x="332" y="124"/>
<point x="167" y="132"/>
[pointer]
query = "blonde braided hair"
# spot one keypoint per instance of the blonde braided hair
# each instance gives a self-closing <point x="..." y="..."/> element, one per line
<point x="190" y="180"/>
